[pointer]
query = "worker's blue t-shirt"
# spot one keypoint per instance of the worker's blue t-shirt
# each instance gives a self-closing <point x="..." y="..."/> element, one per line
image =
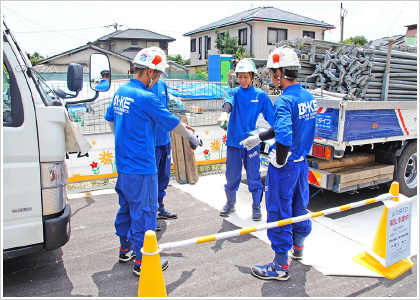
<point x="135" y="112"/>
<point x="295" y="112"/>
<point x="247" y="104"/>
<point x="103" y="85"/>
<point x="161" y="92"/>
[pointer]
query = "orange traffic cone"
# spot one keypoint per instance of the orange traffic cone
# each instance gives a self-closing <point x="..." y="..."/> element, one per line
<point x="151" y="282"/>
<point x="379" y="247"/>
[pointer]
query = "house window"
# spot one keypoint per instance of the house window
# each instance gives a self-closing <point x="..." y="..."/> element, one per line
<point x="242" y="34"/>
<point x="134" y="43"/>
<point x="193" y="45"/>
<point x="206" y="47"/>
<point x="199" y="48"/>
<point x="209" y="43"/>
<point x="222" y="35"/>
<point x="310" y="34"/>
<point x="275" y="35"/>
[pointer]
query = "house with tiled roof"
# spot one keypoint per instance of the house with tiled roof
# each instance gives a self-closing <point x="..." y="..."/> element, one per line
<point x="120" y="46"/>
<point x="130" y="41"/>
<point x="258" y="30"/>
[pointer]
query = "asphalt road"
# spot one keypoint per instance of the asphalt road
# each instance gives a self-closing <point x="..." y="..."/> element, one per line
<point x="87" y="266"/>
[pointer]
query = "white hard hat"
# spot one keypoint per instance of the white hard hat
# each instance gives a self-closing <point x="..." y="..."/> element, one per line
<point x="152" y="59"/>
<point x="283" y="57"/>
<point x="245" y="65"/>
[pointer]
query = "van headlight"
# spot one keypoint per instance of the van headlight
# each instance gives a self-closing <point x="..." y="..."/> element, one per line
<point x="54" y="187"/>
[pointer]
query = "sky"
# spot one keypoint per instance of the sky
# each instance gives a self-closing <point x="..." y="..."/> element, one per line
<point x="52" y="27"/>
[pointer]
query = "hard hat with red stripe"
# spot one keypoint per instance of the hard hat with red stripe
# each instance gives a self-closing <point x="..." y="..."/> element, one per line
<point x="151" y="58"/>
<point x="283" y="57"/>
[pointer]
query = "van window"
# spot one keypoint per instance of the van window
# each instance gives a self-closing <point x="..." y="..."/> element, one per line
<point x="12" y="100"/>
<point x="47" y="94"/>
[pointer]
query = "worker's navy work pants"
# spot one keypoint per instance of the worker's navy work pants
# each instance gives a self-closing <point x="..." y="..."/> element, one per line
<point x="138" y="208"/>
<point x="163" y="164"/>
<point x="287" y="196"/>
<point x="251" y="161"/>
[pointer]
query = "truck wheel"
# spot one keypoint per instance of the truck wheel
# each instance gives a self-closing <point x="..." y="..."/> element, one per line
<point x="406" y="173"/>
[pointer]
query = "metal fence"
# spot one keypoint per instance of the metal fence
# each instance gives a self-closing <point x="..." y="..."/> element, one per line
<point x="200" y="101"/>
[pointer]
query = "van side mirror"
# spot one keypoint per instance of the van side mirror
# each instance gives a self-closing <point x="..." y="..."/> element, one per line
<point x="99" y="72"/>
<point x="75" y="77"/>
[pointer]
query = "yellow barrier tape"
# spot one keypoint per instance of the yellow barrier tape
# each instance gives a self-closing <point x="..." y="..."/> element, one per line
<point x="345" y="207"/>
<point x="285" y="222"/>
<point x="248" y="230"/>
<point x="371" y="200"/>
<point x="205" y="239"/>
<point x="317" y="214"/>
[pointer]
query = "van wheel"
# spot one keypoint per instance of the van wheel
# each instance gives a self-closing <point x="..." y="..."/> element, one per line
<point x="406" y="172"/>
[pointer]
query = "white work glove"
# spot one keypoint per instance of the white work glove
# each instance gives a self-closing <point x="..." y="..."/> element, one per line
<point x="250" y="142"/>
<point x="194" y="141"/>
<point x="273" y="159"/>
<point x="223" y="120"/>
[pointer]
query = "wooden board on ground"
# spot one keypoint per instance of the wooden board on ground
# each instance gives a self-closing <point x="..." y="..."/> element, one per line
<point x="179" y="160"/>
<point x="358" y="172"/>
<point x="351" y="160"/>
<point x="190" y="162"/>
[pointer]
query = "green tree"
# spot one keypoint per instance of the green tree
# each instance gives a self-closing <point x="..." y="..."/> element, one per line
<point x="179" y="60"/>
<point x="358" y="40"/>
<point x="225" y="44"/>
<point x="36" y="57"/>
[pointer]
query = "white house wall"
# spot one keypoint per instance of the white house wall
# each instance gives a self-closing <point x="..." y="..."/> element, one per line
<point x="260" y="32"/>
<point x="260" y="49"/>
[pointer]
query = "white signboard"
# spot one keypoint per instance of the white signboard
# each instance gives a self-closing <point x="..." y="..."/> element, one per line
<point x="398" y="233"/>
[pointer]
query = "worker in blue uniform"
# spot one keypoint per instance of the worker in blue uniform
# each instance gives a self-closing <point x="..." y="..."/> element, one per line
<point x="287" y="187"/>
<point x="104" y="84"/>
<point x="244" y="104"/>
<point x="133" y="115"/>
<point x="163" y="153"/>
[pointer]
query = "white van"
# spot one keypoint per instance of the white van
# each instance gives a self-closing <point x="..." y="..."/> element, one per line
<point x="37" y="136"/>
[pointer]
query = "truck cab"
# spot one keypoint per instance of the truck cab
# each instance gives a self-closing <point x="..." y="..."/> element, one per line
<point x="37" y="137"/>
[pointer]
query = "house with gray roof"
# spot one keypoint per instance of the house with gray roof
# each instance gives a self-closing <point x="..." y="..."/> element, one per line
<point x="120" y="46"/>
<point x="259" y="30"/>
<point x="128" y="41"/>
<point x="58" y="63"/>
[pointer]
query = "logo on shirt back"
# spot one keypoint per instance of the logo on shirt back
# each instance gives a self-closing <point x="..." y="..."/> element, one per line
<point x="122" y="104"/>
<point x="307" y="110"/>
<point x="254" y="100"/>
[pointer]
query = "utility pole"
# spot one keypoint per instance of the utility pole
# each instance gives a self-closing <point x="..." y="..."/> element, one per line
<point x="115" y="25"/>
<point x="343" y="13"/>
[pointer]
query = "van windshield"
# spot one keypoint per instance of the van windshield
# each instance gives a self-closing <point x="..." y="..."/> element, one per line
<point x="47" y="94"/>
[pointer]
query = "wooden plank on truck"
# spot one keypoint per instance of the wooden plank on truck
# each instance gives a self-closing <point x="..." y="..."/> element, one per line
<point x="366" y="180"/>
<point x="190" y="162"/>
<point x="351" y="160"/>
<point x="353" y="173"/>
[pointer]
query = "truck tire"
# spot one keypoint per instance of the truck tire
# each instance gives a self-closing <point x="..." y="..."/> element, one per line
<point x="406" y="171"/>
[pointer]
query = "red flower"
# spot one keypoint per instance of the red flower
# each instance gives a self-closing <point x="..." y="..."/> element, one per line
<point x="94" y="165"/>
<point x="206" y="152"/>
<point x="224" y="139"/>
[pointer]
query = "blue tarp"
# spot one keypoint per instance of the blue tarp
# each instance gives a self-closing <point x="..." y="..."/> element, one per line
<point x="198" y="91"/>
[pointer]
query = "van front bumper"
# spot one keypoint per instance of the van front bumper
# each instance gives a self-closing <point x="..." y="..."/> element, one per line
<point x="57" y="231"/>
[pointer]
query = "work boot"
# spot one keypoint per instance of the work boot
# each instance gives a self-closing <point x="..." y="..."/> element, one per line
<point x="271" y="271"/>
<point x="227" y="209"/>
<point x="137" y="265"/>
<point x="164" y="214"/>
<point x="126" y="254"/>
<point x="296" y="252"/>
<point x="256" y="212"/>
